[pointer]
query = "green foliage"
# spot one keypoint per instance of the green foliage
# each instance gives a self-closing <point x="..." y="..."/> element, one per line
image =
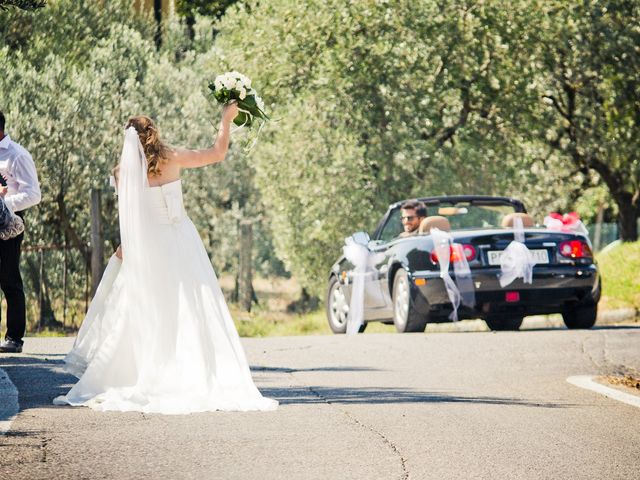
<point x="586" y="80"/>
<point x="67" y="29"/>
<point x="208" y="8"/>
<point x="22" y="4"/>
<point x="67" y="94"/>
<point x="372" y="101"/>
<point x="378" y="101"/>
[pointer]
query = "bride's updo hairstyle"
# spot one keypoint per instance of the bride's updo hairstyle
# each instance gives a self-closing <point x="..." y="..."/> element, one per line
<point x="156" y="151"/>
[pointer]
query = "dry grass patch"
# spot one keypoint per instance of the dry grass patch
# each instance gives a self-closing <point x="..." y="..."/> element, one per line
<point x="626" y="381"/>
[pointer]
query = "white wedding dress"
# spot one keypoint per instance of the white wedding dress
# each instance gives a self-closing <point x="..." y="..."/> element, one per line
<point x="158" y="336"/>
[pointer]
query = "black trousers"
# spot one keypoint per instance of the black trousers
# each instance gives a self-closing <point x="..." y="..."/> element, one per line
<point x="11" y="285"/>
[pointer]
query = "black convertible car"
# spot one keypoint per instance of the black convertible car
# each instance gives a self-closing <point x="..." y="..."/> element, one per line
<point x="405" y="286"/>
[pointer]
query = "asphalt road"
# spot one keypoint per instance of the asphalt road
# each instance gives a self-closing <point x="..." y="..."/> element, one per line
<point x="376" y="406"/>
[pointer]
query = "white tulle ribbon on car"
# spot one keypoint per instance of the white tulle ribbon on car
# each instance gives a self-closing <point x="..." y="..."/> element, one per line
<point x="461" y="290"/>
<point x="364" y="262"/>
<point x="516" y="261"/>
<point x="357" y="255"/>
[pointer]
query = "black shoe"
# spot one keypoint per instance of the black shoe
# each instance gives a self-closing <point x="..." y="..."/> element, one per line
<point x="9" y="345"/>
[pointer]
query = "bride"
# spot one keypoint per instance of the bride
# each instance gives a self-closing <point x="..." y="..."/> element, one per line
<point x="158" y="336"/>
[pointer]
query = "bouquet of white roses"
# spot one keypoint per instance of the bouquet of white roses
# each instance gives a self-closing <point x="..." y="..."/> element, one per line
<point x="236" y="86"/>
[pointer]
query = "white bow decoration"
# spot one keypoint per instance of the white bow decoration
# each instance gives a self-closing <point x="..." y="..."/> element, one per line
<point x="461" y="290"/>
<point x="517" y="260"/>
<point x="364" y="262"/>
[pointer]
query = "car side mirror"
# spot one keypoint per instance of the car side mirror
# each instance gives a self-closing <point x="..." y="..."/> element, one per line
<point x="361" y="238"/>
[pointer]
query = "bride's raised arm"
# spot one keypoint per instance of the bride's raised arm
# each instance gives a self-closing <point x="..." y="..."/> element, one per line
<point x="186" y="158"/>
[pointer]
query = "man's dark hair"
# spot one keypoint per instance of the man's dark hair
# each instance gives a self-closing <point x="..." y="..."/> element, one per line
<point x="417" y="205"/>
<point x="2" y="121"/>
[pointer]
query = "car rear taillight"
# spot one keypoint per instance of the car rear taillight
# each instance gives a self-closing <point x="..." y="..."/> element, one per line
<point x="469" y="252"/>
<point x="575" y="249"/>
<point x="456" y="252"/>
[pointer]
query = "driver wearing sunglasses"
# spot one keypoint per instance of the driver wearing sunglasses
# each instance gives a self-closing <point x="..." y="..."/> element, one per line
<point x="412" y="212"/>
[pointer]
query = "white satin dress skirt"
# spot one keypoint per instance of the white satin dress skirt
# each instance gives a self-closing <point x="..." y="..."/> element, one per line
<point x="169" y="345"/>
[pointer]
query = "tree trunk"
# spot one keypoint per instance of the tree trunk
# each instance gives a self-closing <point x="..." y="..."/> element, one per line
<point x="38" y="277"/>
<point x="73" y="236"/>
<point x="235" y="294"/>
<point x="157" y="15"/>
<point x="190" y="22"/>
<point x="245" y="273"/>
<point x="628" y="202"/>
<point x="97" y="242"/>
<point x="628" y="215"/>
<point x="597" y="232"/>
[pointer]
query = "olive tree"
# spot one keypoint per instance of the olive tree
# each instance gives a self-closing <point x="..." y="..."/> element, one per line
<point x="22" y="4"/>
<point x="68" y="106"/>
<point x="588" y="89"/>
<point x="375" y="102"/>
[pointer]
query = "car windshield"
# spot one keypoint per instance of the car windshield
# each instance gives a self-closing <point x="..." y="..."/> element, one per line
<point x="461" y="215"/>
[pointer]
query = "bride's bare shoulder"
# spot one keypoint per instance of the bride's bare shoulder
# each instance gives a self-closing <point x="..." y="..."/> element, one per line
<point x="174" y="157"/>
<point x="177" y="154"/>
<point x="180" y="156"/>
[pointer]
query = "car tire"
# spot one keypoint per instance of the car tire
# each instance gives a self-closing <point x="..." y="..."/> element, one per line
<point x="405" y="317"/>
<point x="337" y="308"/>
<point x="580" y="318"/>
<point x="503" y="323"/>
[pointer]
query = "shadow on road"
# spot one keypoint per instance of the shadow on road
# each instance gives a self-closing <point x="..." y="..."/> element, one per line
<point x="373" y="396"/>
<point x="38" y="378"/>
<point x="596" y="327"/>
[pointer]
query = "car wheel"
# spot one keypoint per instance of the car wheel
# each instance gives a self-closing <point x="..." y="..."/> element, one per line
<point x="581" y="317"/>
<point x="338" y="308"/>
<point x="503" y="322"/>
<point x="405" y="317"/>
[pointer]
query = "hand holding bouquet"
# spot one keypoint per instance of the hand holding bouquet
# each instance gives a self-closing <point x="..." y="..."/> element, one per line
<point x="236" y="86"/>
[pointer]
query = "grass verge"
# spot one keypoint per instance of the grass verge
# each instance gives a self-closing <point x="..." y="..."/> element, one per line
<point x="620" y="270"/>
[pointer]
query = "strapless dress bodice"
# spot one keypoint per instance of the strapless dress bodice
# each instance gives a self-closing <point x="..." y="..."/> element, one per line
<point x="165" y="203"/>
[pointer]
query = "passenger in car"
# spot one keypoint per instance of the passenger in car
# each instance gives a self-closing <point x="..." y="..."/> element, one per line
<point x="412" y="212"/>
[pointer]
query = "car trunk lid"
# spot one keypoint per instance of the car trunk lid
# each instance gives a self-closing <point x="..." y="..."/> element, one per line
<point x="545" y="246"/>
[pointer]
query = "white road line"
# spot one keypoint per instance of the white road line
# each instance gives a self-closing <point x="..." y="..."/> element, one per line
<point x="8" y="402"/>
<point x="586" y="381"/>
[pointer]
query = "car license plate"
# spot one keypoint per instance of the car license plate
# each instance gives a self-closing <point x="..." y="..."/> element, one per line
<point x="540" y="256"/>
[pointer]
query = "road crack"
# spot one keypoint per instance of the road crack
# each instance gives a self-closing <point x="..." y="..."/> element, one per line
<point x="43" y="447"/>
<point x="385" y="440"/>
<point x="606" y="366"/>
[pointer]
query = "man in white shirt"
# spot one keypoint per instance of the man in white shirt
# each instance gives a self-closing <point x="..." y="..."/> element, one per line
<point x="22" y="190"/>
